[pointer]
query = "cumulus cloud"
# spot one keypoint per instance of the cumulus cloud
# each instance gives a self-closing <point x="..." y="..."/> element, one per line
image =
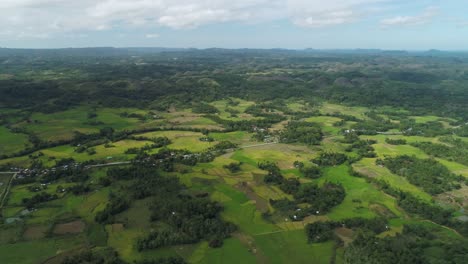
<point x="319" y="13"/>
<point x="425" y="17"/>
<point x="40" y="18"/>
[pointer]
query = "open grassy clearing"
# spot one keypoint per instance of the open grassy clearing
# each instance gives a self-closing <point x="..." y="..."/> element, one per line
<point x="240" y="210"/>
<point x="362" y="199"/>
<point x="11" y="234"/>
<point x="384" y="149"/>
<point x="431" y="118"/>
<point x="186" y="118"/>
<point x="46" y="213"/>
<point x="73" y="227"/>
<point x="292" y="247"/>
<point x="328" y="108"/>
<point x="22" y="161"/>
<point x="61" y="208"/>
<point x="116" y="152"/>
<point x="240" y="107"/>
<point x="370" y="169"/>
<point x="11" y="211"/>
<point x="62" y="125"/>
<point x="233" y="251"/>
<point x="326" y="123"/>
<point x="93" y="203"/>
<point x="123" y="240"/>
<point x="37" y="251"/>
<point x="19" y="192"/>
<point x="454" y="167"/>
<point x="283" y="154"/>
<point x="182" y="140"/>
<point x="4" y="181"/>
<point x="409" y="139"/>
<point x="12" y="142"/>
<point x="456" y="199"/>
<point x="237" y="137"/>
<point x="332" y="144"/>
<point x="106" y="154"/>
<point x="239" y="104"/>
<point x="298" y="106"/>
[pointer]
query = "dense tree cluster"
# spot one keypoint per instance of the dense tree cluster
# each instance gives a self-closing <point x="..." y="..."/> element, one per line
<point x="233" y="167"/>
<point x="187" y="218"/>
<point x="101" y="256"/>
<point x="116" y="204"/>
<point x="38" y="198"/>
<point x="321" y="199"/>
<point x="430" y="129"/>
<point x="204" y="108"/>
<point x="431" y="211"/>
<point x="330" y="159"/>
<point x="374" y="124"/>
<point x="248" y="125"/>
<point x="458" y="152"/>
<point x="318" y="200"/>
<point x="79" y="189"/>
<point x="415" y="244"/>
<point x="301" y="132"/>
<point x="395" y="141"/>
<point x="429" y="174"/>
<point x="323" y="231"/>
<point x="363" y="147"/>
<point x="312" y="172"/>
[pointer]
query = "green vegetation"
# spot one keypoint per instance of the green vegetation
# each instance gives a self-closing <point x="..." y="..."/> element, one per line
<point x="233" y="157"/>
<point x="426" y="173"/>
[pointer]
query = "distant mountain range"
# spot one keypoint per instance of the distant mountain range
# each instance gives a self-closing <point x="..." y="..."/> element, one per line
<point x="135" y="51"/>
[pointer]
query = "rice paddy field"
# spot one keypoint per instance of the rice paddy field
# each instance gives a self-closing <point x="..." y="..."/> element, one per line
<point x="11" y="142"/>
<point x="63" y="226"/>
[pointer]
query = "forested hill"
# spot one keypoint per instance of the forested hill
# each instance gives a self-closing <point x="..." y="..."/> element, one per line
<point x="111" y="51"/>
<point x="54" y="80"/>
<point x="156" y="156"/>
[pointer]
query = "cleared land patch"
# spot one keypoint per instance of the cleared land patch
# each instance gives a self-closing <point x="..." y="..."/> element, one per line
<point x="12" y="142"/>
<point x="73" y="227"/>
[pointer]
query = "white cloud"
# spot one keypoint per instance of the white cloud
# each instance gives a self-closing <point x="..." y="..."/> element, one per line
<point x="319" y="13"/>
<point x="425" y="17"/>
<point x="152" y="36"/>
<point x="65" y="17"/>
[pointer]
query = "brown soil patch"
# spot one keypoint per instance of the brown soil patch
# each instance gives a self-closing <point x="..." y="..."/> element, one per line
<point x="365" y="171"/>
<point x="457" y="198"/>
<point x="258" y="178"/>
<point x="382" y="210"/>
<point x="58" y="259"/>
<point x="279" y="126"/>
<point x="345" y="234"/>
<point x="249" y="242"/>
<point x="74" y="227"/>
<point x="117" y="227"/>
<point x="314" y="218"/>
<point x="260" y="203"/>
<point x="34" y="232"/>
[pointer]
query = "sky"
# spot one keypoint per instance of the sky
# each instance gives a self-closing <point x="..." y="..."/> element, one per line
<point x="291" y="24"/>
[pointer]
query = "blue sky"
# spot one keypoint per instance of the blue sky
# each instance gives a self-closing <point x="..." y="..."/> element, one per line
<point x="297" y="24"/>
